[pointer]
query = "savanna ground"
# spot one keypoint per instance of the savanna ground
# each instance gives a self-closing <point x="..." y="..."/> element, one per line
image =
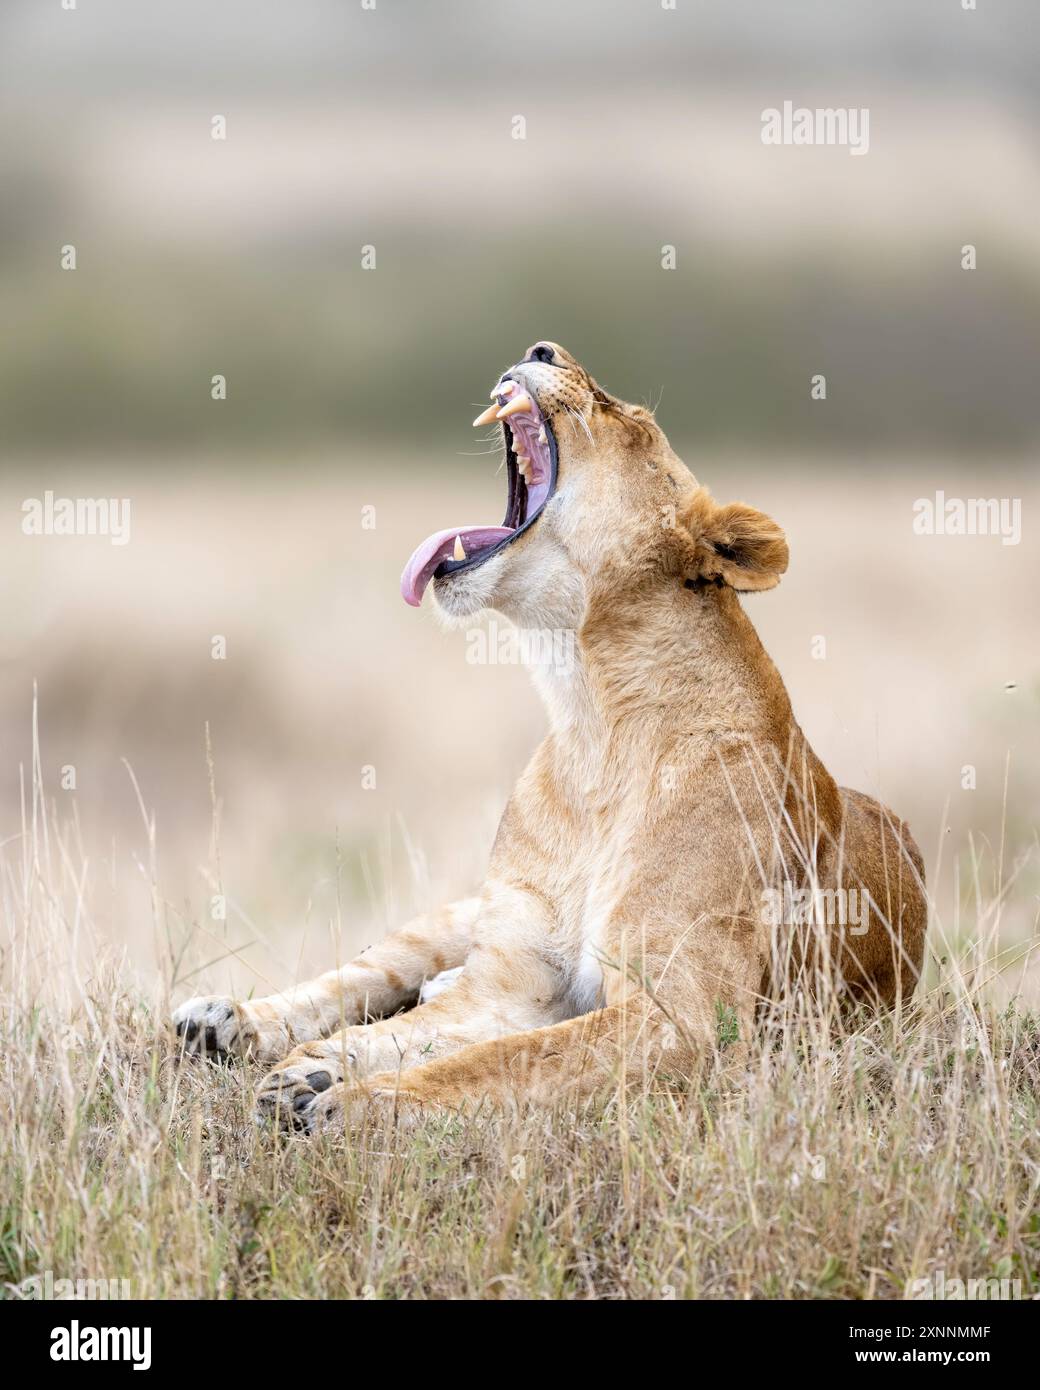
<point x="853" y="1157"/>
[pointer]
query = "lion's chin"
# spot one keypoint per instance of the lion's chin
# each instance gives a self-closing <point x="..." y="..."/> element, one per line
<point x="463" y="595"/>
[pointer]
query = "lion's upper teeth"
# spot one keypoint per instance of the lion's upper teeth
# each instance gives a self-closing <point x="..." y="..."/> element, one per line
<point x="504" y="388"/>
<point x="516" y="406"/>
<point x="487" y="417"/>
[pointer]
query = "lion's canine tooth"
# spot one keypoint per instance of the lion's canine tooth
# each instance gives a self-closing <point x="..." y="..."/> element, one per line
<point x="504" y="388"/>
<point x="487" y="417"/>
<point x="542" y="436"/>
<point x="516" y="406"/>
<point x="459" y="552"/>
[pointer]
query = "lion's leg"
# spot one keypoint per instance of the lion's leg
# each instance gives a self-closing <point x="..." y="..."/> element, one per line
<point x="700" y="1005"/>
<point x="385" y="977"/>
<point x="570" y="1061"/>
<point x="510" y="985"/>
<point x="454" y="1020"/>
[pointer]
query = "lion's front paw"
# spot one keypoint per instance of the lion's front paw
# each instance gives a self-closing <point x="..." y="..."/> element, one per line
<point x="328" y="1112"/>
<point x="207" y="1026"/>
<point x="287" y="1091"/>
<point x="358" y="1103"/>
<point x="217" y="1027"/>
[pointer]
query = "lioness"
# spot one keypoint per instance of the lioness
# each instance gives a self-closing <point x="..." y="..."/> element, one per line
<point x="629" y="913"/>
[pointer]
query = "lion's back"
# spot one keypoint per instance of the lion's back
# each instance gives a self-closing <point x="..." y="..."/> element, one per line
<point x="878" y="852"/>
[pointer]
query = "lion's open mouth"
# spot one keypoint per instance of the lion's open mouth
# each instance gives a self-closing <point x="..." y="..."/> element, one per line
<point x="531" y="470"/>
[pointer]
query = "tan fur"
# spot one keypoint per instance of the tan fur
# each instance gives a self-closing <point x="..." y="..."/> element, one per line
<point x="622" y="926"/>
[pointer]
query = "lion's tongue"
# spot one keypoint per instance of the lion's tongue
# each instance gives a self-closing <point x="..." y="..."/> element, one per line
<point x="439" y="547"/>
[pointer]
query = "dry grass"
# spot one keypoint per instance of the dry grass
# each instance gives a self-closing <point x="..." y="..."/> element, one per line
<point x="851" y="1158"/>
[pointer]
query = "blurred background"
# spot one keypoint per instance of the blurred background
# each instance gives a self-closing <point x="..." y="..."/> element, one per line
<point x="351" y="388"/>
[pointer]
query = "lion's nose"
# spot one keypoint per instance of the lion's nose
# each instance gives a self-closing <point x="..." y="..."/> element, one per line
<point x="541" y="352"/>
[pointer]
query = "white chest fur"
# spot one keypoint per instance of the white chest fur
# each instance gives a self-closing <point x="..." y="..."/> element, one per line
<point x="608" y="875"/>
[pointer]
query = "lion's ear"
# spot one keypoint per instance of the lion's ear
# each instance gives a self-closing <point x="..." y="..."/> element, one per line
<point x="736" y="545"/>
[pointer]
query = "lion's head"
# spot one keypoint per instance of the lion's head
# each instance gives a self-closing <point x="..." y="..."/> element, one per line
<point x="598" y="503"/>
